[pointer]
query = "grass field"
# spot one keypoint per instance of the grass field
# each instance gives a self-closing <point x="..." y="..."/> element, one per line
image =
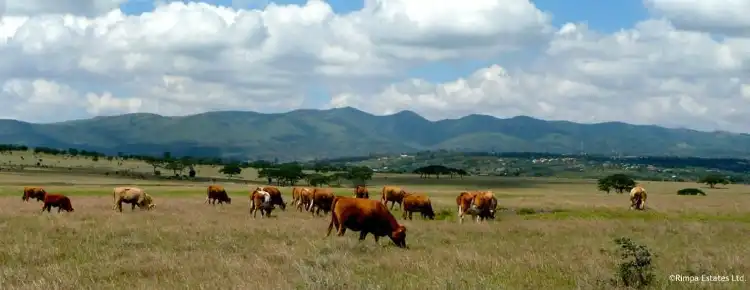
<point x="186" y="244"/>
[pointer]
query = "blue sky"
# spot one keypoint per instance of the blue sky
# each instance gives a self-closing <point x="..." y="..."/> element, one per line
<point x="676" y="63"/>
<point x="605" y="16"/>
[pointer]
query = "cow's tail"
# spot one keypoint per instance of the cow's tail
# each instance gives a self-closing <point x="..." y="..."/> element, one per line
<point x="382" y="195"/>
<point x="334" y="220"/>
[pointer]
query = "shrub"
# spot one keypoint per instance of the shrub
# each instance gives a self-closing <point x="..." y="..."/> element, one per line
<point x="635" y="270"/>
<point x="690" y="191"/>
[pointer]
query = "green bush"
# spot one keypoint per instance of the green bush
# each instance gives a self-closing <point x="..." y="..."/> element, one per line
<point x="690" y="191"/>
<point x="636" y="269"/>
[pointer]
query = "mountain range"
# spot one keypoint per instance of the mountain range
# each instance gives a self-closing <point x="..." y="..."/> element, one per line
<point x="309" y="134"/>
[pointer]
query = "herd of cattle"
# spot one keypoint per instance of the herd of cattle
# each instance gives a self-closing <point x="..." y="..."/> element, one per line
<point x="357" y="213"/>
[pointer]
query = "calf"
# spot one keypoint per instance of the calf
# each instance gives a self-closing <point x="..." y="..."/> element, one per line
<point x="367" y="217"/>
<point x="33" y="192"/>
<point x="361" y="192"/>
<point x="418" y="203"/>
<point x="217" y="193"/>
<point x="56" y="200"/>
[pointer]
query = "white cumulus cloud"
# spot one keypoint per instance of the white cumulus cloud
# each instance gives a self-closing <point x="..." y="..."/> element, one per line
<point x="687" y="66"/>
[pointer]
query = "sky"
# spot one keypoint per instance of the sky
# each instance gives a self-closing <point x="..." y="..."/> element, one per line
<point x="673" y="63"/>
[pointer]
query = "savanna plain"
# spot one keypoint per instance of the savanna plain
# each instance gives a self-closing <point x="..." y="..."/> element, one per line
<point x="549" y="234"/>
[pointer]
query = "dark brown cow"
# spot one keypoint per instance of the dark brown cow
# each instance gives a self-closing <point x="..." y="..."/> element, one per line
<point x="216" y="193"/>
<point x="33" y="192"/>
<point x="264" y="198"/>
<point x="361" y="192"/>
<point x="321" y="200"/>
<point x="418" y="203"/>
<point x="365" y="216"/>
<point x="59" y="201"/>
<point x="394" y="195"/>
<point x="479" y="204"/>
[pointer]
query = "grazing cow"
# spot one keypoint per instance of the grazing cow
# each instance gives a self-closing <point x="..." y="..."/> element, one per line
<point x="275" y="193"/>
<point x="638" y="198"/>
<point x="59" y="201"/>
<point x="216" y="193"/>
<point x="33" y="192"/>
<point x="367" y="217"/>
<point x="361" y="192"/>
<point x="479" y="204"/>
<point x="261" y="200"/>
<point x="394" y="195"/>
<point x="418" y="203"/>
<point x="321" y="200"/>
<point x="132" y="195"/>
<point x="297" y="193"/>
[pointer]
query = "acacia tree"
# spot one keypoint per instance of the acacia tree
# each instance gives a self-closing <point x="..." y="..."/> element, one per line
<point x="619" y="182"/>
<point x="713" y="179"/>
<point x="231" y="169"/>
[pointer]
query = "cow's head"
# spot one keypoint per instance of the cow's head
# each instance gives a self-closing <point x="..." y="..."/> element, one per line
<point x="398" y="236"/>
<point x="228" y="200"/>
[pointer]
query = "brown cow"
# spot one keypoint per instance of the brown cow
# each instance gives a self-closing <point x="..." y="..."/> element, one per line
<point x="361" y="192"/>
<point x="322" y="198"/>
<point x="261" y="200"/>
<point x="132" y="195"/>
<point x="394" y="195"/>
<point x="638" y="197"/>
<point x="33" y="192"/>
<point x="479" y="204"/>
<point x="59" y="201"/>
<point x="264" y="198"/>
<point x="216" y="193"/>
<point x="418" y="203"/>
<point x="305" y="197"/>
<point x="297" y="193"/>
<point x="367" y="217"/>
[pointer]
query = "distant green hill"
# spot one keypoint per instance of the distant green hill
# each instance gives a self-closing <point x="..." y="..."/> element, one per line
<point x="309" y="134"/>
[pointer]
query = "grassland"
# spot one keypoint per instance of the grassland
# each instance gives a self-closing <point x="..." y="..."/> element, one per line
<point x="186" y="244"/>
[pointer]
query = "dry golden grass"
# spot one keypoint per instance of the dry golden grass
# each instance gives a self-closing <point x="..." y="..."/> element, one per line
<point x="186" y="244"/>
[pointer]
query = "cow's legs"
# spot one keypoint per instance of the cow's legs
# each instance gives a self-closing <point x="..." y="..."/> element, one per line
<point x="132" y="206"/>
<point x="119" y="205"/>
<point x="403" y="215"/>
<point x="362" y="235"/>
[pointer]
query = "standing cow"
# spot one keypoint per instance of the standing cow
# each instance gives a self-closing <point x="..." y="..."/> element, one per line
<point x="264" y="198"/>
<point x="394" y="195"/>
<point x="361" y="192"/>
<point x="418" y="203"/>
<point x="321" y="200"/>
<point x="216" y="193"/>
<point x="367" y="217"/>
<point x="638" y="197"/>
<point x="33" y="192"/>
<point x="479" y="204"/>
<point x="57" y="200"/>
<point x="261" y="201"/>
<point x="297" y="195"/>
<point x="132" y="195"/>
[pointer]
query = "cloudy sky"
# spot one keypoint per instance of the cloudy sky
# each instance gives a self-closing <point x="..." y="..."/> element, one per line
<point x="676" y="63"/>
